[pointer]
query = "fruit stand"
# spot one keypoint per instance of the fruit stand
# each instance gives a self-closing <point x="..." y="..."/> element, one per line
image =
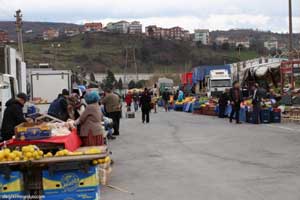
<point x="45" y="159"/>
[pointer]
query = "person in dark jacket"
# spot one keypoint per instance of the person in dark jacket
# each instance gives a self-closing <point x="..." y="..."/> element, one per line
<point x="236" y="97"/>
<point x="166" y="98"/>
<point x="145" y="104"/>
<point x="59" y="107"/>
<point x="257" y="97"/>
<point x="13" y="116"/>
<point x="223" y="102"/>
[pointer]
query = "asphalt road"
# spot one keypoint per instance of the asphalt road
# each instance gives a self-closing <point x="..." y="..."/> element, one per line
<point x="183" y="156"/>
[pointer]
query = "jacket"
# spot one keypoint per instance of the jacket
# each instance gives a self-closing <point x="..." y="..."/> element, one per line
<point x="59" y="108"/>
<point x="91" y="121"/>
<point x="234" y="98"/>
<point x="145" y="101"/>
<point x="112" y="103"/>
<point x="13" y="116"/>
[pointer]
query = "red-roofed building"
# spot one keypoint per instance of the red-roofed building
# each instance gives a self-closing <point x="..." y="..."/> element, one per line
<point x="4" y="37"/>
<point x="93" y="27"/>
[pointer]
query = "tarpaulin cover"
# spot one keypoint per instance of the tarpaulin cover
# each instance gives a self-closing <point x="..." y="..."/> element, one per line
<point x="199" y="73"/>
<point x="187" y="78"/>
<point x="71" y="142"/>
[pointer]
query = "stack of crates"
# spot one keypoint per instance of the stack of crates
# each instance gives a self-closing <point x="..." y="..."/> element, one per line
<point x="265" y="116"/>
<point x="11" y="185"/>
<point x="276" y="116"/>
<point x="72" y="184"/>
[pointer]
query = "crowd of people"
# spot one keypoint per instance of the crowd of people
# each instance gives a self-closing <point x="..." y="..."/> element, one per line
<point x="235" y="97"/>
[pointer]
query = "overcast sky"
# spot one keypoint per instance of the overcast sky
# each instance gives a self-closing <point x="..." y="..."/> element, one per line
<point x="190" y="14"/>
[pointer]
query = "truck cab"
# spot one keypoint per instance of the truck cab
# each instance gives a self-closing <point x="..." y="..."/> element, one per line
<point x="217" y="82"/>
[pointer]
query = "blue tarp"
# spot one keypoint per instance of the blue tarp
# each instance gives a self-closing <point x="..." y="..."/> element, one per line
<point x="200" y="72"/>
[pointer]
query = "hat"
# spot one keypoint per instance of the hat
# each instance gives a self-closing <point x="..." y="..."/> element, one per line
<point x="92" y="97"/>
<point x="65" y="92"/>
<point x="22" y="96"/>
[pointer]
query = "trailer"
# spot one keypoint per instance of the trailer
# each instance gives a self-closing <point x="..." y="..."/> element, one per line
<point x="46" y="84"/>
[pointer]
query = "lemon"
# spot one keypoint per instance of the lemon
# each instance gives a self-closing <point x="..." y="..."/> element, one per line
<point x="6" y="152"/>
<point x="17" y="159"/>
<point x="65" y="152"/>
<point x="28" y="155"/>
<point x="31" y="149"/>
<point x="101" y="161"/>
<point x="41" y="153"/>
<point x="107" y="159"/>
<point x="1" y="155"/>
<point x="12" y="156"/>
<point x="25" y="149"/>
<point x="95" y="162"/>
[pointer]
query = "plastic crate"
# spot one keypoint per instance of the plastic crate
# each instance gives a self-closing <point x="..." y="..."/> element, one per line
<point x="34" y="132"/>
<point x="74" y="196"/>
<point x="276" y="117"/>
<point x="178" y="107"/>
<point x="71" y="181"/>
<point x="11" y="184"/>
<point x="251" y="118"/>
<point x="265" y="116"/>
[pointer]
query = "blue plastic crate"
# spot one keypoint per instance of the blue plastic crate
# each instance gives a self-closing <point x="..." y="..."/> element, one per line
<point x="251" y="117"/>
<point x="178" y="107"/>
<point x="276" y="117"/>
<point x="74" y="196"/>
<point x="265" y="116"/>
<point x="71" y="181"/>
<point x="12" y="185"/>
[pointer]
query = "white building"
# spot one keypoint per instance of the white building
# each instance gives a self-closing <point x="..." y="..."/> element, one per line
<point x="244" y="43"/>
<point x="271" y="44"/>
<point x="202" y="35"/>
<point x="221" y="40"/>
<point x="118" y="27"/>
<point x="135" y="27"/>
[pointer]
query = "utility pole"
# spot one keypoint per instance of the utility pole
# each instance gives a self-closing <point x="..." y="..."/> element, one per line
<point x="126" y="64"/>
<point x="290" y="28"/>
<point x="19" y="24"/>
<point x="135" y="66"/>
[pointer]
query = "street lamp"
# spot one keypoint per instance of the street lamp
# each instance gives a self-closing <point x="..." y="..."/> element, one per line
<point x="290" y="28"/>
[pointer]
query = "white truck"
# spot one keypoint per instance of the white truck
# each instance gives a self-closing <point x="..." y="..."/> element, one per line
<point x="46" y="84"/>
<point x="217" y="82"/>
<point x="12" y="76"/>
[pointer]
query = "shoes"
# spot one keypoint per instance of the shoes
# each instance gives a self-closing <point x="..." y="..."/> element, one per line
<point x="238" y="122"/>
<point x="116" y="134"/>
<point x="230" y="120"/>
<point x="110" y="137"/>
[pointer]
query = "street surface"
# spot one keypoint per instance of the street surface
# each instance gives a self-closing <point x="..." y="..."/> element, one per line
<point x="183" y="156"/>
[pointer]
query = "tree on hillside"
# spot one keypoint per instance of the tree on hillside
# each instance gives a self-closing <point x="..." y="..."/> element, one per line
<point x="120" y="84"/>
<point x="131" y="85"/>
<point x="109" y="81"/>
<point x="93" y="79"/>
<point x="87" y="41"/>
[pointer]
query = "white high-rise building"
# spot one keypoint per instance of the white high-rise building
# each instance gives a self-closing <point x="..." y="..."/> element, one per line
<point x="202" y="35"/>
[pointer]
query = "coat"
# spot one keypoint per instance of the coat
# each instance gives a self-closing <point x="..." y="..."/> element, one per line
<point x="145" y="102"/>
<point x="91" y="121"/>
<point x="234" y="98"/>
<point x="13" y="116"/>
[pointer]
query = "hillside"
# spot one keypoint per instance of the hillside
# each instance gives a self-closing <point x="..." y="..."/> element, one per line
<point x="36" y="27"/>
<point x="100" y="51"/>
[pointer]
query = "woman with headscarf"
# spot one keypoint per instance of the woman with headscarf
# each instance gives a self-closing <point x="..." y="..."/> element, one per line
<point x="91" y="130"/>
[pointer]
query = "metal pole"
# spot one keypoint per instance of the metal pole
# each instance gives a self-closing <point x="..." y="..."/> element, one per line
<point x="290" y="28"/>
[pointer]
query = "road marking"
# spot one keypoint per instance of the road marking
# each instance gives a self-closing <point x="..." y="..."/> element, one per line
<point x="284" y="128"/>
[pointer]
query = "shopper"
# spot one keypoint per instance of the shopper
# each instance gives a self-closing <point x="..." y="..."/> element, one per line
<point x="128" y="100"/>
<point x="91" y="131"/>
<point x="256" y="102"/>
<point x="236" y="98"/>
<point x="135" y="99"/>
<point x="111" y="102"/>
<point x="166" y="98"/>
<point x="154" y="101"/>
<point x="223" y="103"/>
<point x="59" y="107"/>
<point x="13" y="116"/>
<point x="145" y="103"/>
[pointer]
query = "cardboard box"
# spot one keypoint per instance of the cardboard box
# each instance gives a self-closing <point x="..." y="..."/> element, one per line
<point x="11" y="186"/>
<point x="71" y="181"/>
<point x="29" y="131"/>
<point x="72" y="196"/>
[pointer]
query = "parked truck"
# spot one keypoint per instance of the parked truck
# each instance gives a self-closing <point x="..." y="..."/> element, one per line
<point x="217" y="82"/>
<point x="46" y="84"/>
<point x="12" y="75"/>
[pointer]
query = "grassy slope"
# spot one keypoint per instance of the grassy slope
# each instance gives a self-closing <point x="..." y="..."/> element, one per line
<point x="98" y="52"/>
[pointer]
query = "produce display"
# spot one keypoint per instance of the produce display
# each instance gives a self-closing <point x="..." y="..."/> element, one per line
<point x="32" y="152"/>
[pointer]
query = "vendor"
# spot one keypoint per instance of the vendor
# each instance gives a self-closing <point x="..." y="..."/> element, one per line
<point x="59" y="107"/>
<point x="91" y="131"/>
<point x="13" y="116"/>
<point x="223" y="103"/>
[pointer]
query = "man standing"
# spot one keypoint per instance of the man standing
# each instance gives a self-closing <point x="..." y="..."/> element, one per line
<point x="256" y="101"/>
<point x="145" y="104"/>
<point x="166" y="98"/>
<point x="13" y="116"/>
<point x="236" y="97"/>
<point x="223" y="102"/>
<point x="112" y="105"/>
